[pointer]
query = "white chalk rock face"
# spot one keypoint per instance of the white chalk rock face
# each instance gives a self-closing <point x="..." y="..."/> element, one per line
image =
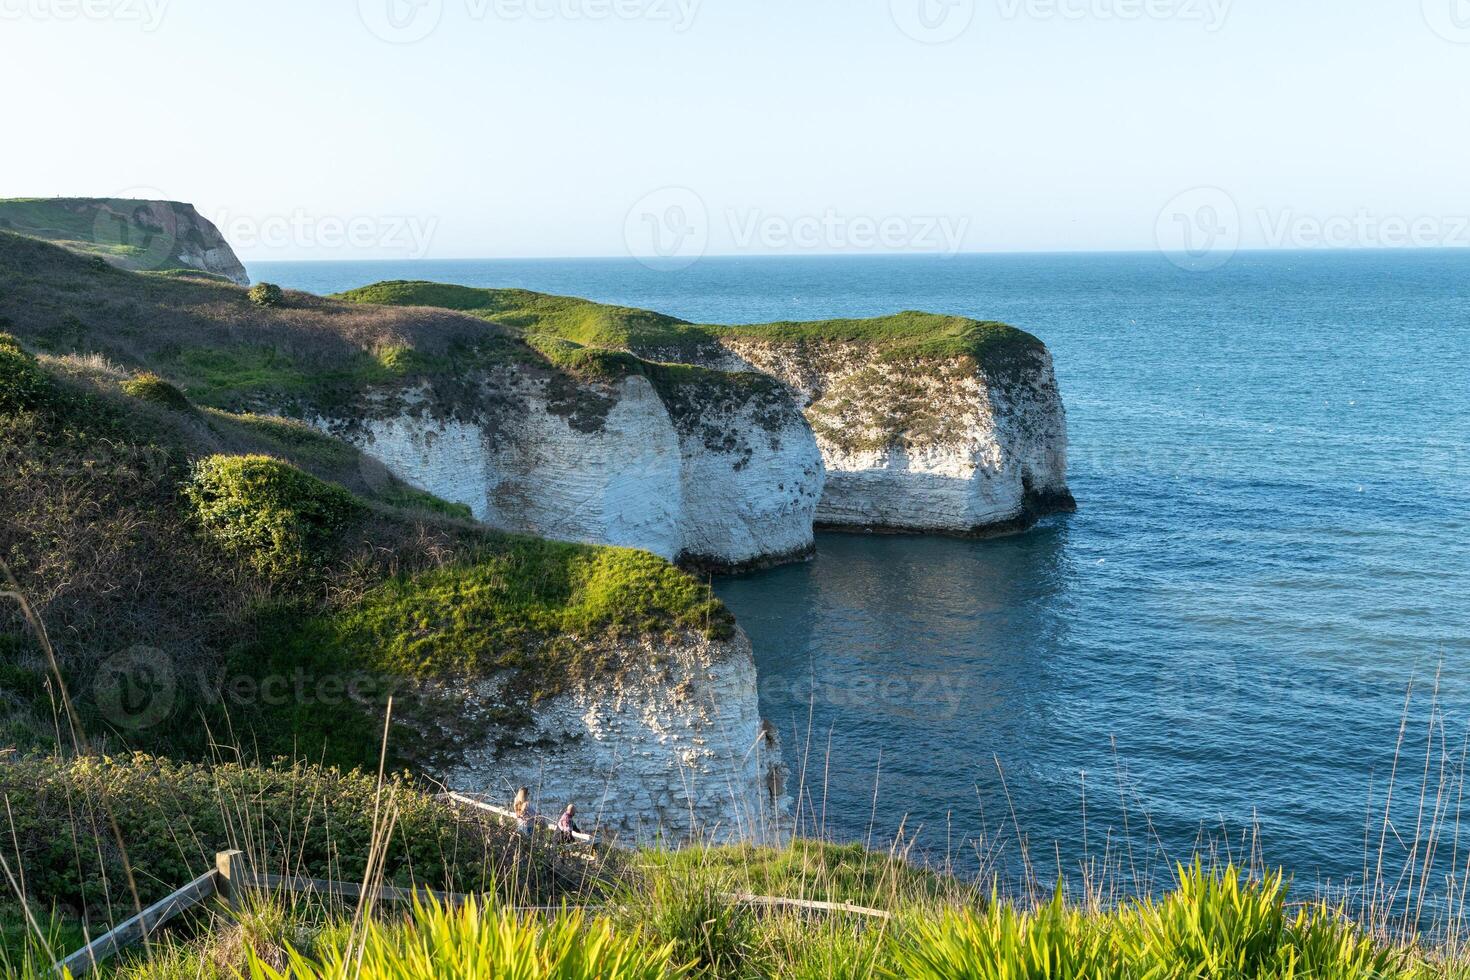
<point x="446" y="458"/>
<point x="752" y="478"/>
<point x="615" y="483"/>
<point x="925" y="445"/>
<point x="712" y="478"/>
<point x="674" y="748"/>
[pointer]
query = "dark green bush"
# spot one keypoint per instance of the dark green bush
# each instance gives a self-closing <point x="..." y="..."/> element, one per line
<point x="266" y="294"/>
<point x="149" y="387"/>
<point x="279" y="517"/>
<point x="23" y="386"/>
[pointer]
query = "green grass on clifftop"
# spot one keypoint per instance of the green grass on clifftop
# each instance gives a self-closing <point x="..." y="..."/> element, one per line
<point x="578" y="320"/>
<point x="900" y="335"/>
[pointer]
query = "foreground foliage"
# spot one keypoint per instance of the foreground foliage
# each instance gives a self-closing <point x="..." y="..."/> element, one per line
<point x="478" y="940"/>
<point x="1215" y="925"/>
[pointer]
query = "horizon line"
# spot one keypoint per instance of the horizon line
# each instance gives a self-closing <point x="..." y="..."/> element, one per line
<point x="653" y="262"/>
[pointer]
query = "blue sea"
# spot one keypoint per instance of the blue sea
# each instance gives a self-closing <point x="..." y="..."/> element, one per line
<point x="1272" y="547"/>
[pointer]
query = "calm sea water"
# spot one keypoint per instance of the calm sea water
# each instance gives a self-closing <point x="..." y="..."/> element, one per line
<point x="1272" y="462"/>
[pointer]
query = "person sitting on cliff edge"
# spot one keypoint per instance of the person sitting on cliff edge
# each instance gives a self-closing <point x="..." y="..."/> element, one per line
<point x="566" y="827"/>
<point x="525" y="811"/>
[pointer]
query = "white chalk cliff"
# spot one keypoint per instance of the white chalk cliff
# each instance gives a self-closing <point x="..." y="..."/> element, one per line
<point x="922" y="444"/>
<point x="673" y="748"/>
<point x="708" y="477"/>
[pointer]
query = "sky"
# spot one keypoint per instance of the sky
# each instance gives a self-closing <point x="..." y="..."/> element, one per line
<point x="329" y="129"/>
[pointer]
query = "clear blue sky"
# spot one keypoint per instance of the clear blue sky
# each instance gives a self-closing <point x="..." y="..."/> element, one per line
<point x="532" y="127"/>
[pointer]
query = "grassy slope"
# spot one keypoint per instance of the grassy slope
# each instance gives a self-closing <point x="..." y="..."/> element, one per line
<point x="70" y="220"/>
<point x="133" y="520"/>
<point x="225" y="352"/>
<point x="314" y="355"/>
<point x="995" y="346"/>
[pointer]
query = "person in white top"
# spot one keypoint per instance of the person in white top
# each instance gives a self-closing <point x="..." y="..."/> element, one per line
<point x="525" y="811"/>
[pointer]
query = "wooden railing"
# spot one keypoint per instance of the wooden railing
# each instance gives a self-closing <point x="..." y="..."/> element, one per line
<point x="140" y="926"/>
<point x="504" y="815"/>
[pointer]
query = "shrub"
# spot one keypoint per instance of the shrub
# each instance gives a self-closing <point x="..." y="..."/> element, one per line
<point x="149" y="387"/>
<point x="23" y="386"/>
<point x="277" y="516"/>
<point x="266" y="294"/>
<point x="407" y="497"/>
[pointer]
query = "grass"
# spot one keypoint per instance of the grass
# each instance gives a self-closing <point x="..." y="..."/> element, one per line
<point x="224" y="377"/>
<point x="65" y="219"/>
<point x="1214" y="924"/>
<point x="522" y="596"/>
<point x="816" y="870"/>
<point x="580" y="321"/>
<point x="66" y="815"/>
<point x="304" y="358"/>
<point x="902" y="336"/>
<point x="478" y="940"/>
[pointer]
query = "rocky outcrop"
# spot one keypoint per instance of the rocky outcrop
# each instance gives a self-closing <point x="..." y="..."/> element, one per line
<point x="673" y="748"/>
<point x="924" y="443"/>
<point x="693" y="469"/>
<point x="924" y="422"/>
<point x="150" y="236"/>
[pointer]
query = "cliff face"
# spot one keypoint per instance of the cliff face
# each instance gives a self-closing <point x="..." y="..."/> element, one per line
<point x="675" y="748"/>
<point x="926" y="443"/>
<point x="151" y="236"/>
<point x="922" y="422"/>
<point x="714" y="478"/>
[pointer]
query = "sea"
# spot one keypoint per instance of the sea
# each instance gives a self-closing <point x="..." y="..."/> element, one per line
<point x="1250" y="642"/>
